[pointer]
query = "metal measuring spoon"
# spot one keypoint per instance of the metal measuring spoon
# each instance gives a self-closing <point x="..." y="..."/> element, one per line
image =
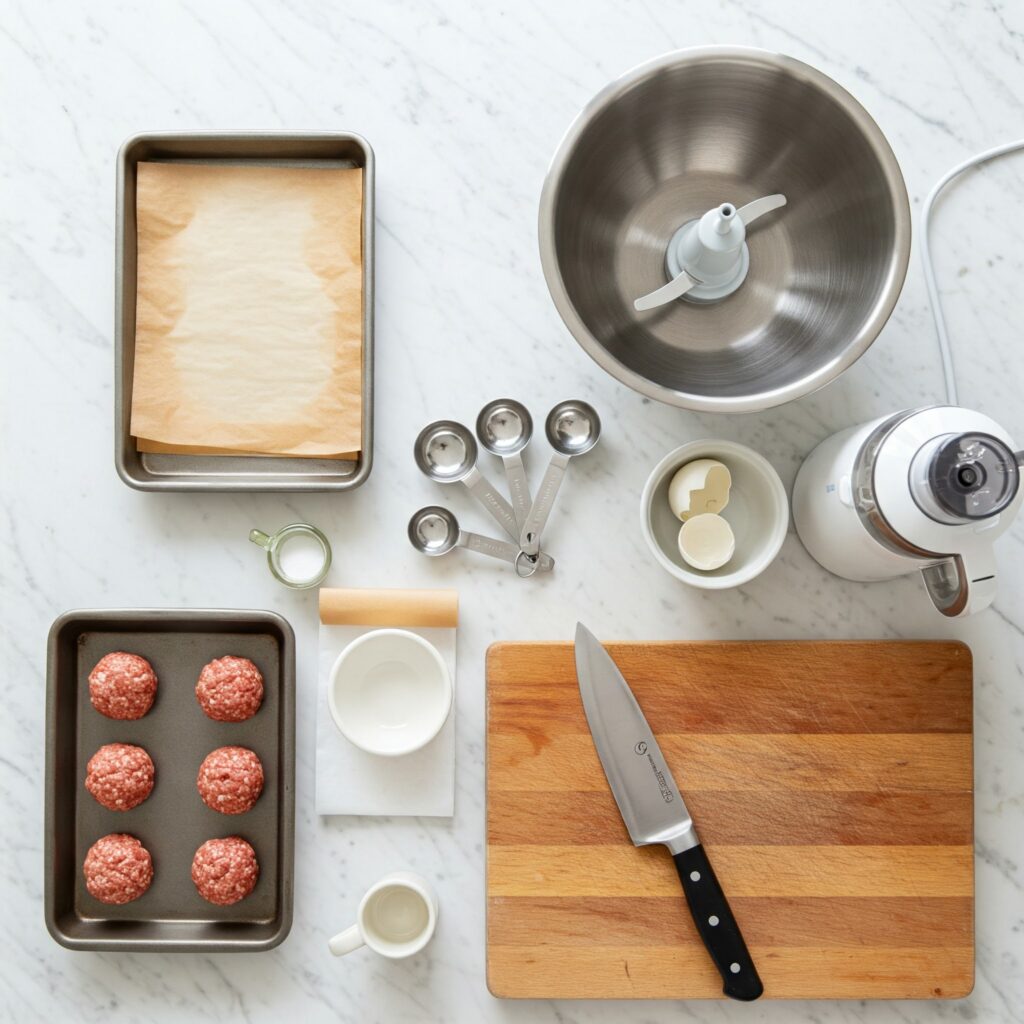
<point x="573" y="428"/>
<point x="504" y="428"/>
<point x="435" y="531"/>
<point x="446" y="452"/>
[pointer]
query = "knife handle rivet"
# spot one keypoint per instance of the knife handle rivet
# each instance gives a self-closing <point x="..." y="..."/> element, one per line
<point x="694" y="876"/>
<point x="735" y="968"/>
<point x="712" y="920"/>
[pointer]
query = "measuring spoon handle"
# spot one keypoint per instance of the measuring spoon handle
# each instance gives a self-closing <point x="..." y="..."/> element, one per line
<point x="519" y="488"/>
<point x="529" y="538"/>
<point x="500" y="549"/>
<point x="499" y="508"/>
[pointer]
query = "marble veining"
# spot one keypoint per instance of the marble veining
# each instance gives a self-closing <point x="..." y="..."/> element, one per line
<point x="464" y="104"/>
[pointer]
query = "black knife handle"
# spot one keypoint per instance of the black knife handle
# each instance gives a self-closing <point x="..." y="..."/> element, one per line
<point x="717" y="926"/>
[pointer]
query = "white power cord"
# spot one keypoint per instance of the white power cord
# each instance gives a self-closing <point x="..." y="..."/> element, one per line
<point x="926" y="255"/>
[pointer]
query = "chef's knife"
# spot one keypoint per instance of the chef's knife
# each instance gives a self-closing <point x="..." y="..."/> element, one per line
<point x="653" y="808"/>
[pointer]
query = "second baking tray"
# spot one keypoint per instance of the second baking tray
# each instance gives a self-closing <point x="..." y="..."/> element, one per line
<point x="173" y="822"/>
<point x="149" y="471"/>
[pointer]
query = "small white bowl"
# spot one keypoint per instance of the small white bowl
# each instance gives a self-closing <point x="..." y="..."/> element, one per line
<point x="758" y="512"/>
<point x="390" y="692"/>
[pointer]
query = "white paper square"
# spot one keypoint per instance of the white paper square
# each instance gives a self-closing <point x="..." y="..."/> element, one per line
<point x="351" y="781"/>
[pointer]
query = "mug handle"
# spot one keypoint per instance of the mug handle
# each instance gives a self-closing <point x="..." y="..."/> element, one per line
<point x="347" y="941"/>
<point x="260" y="538"/>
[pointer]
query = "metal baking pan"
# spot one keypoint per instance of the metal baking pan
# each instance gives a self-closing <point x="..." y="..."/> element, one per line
<point x="159" y="472"/>
<point x="172" y="823"/>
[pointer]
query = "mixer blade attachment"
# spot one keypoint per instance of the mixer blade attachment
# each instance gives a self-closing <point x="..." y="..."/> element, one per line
<point x="707" y="258"/>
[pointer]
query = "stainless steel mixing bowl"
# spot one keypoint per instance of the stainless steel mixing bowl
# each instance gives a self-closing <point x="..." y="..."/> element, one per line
<point x="686" y="132"/>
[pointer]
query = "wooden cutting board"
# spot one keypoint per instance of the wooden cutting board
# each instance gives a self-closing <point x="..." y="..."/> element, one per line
<point x="830" y="782"/>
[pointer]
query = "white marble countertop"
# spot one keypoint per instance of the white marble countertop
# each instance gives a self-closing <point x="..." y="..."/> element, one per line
<point x="464" y="104"/>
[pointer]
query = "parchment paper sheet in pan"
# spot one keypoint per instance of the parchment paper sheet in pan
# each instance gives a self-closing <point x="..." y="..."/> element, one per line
<point x="249" y="309"/>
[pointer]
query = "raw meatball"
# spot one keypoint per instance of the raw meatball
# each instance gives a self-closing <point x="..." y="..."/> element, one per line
<point x="230" y="780"/>
<point x="122" y="686"/>
<point x="230" y="689"/>
<point x="225" y="870"/>
<point x="117" y="869"/>
<point x="119" y="776"/>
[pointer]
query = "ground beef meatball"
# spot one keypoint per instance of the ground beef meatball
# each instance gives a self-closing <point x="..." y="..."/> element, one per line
<point x="122" y="686"/>
<point x="119" y="776"/>
<point x="230" y="689"/>
<point x="225" y="870"/>
<point x="230" y="780"/>
<point x="117" y="869"/>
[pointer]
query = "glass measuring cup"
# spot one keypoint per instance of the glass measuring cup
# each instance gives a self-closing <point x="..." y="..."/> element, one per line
<point x="305" y="564"/>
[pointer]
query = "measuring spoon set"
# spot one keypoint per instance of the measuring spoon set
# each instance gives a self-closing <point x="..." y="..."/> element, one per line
<point x="446" y="452"/>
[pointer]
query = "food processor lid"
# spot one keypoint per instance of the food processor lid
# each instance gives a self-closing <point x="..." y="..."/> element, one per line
<point x="930" y="517"/>
<point x="968" y="476"/>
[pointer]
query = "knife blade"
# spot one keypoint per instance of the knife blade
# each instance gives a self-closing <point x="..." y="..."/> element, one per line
<point x="653" y="808"/>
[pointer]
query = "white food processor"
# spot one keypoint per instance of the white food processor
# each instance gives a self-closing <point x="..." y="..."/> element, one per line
<point x="926" y="490"/>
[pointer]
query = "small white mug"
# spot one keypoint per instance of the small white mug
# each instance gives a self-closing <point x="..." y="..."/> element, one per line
<point x="396" y="918"/>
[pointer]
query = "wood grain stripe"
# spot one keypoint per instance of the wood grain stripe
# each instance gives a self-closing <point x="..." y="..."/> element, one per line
<point x="788" y="818"/>
<point x="793" y="687"/>
<point x="781" y="921"/>
<point x="732" y="761"/>
<point x="761" y="871"/>
<point x="685" y="972"/>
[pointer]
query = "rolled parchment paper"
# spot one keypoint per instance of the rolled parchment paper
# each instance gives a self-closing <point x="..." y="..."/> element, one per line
<point x="424" y="608"/>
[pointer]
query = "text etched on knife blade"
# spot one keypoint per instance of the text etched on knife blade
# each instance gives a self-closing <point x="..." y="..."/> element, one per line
<point x="666" y="793"/>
